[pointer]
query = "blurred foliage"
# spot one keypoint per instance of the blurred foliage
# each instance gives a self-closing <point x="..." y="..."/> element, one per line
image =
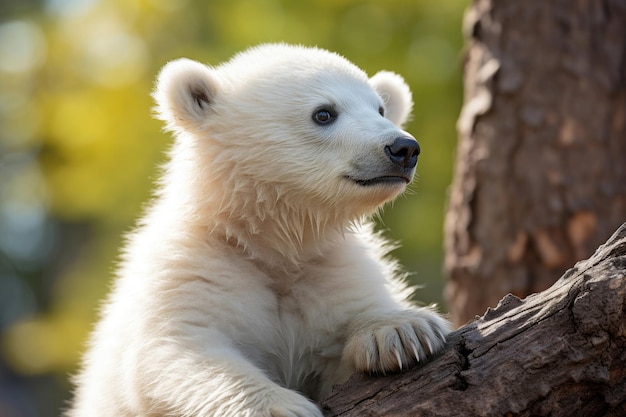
<point x="79" y="149"/>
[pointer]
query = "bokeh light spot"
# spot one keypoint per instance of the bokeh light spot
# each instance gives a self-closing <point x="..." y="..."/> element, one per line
<point x="115" y="59"/>
<point x="22" y="46"/>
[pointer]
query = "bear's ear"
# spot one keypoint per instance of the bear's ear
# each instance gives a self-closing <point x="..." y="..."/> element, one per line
<point x="185" y="93"/>
<point x="395" y="94"/>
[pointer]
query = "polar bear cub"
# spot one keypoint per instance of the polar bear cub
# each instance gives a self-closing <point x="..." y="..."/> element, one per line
<point x="253" y="283"/>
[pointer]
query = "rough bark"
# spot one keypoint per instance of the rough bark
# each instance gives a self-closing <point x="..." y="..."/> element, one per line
<point x="541" y="165"/>
<point x="561" y="352"/>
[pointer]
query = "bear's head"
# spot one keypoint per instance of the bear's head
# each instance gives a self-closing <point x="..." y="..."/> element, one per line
<point x="289" y="134"/>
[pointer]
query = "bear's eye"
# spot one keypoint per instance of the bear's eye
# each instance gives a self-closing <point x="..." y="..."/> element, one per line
<point x="324" y="116"/>
<point x="381" y="111"/>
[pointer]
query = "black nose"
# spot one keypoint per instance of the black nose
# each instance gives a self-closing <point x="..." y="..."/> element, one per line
<point x="403" y="152"/>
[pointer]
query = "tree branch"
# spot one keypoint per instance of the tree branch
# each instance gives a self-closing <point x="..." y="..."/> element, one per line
<point x="561" y="352"/>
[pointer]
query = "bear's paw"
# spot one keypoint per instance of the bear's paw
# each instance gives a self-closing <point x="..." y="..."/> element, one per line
<point x="287" y="403"/>
<point x="395" y="341"/>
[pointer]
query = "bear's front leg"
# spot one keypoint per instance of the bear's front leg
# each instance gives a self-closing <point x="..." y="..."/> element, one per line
<point x="390" y="341"/>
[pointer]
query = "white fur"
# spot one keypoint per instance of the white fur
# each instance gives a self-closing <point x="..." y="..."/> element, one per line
<point x="252" y="282"/>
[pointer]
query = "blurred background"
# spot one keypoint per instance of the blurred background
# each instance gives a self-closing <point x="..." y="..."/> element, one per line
<point x="79" y="149"/>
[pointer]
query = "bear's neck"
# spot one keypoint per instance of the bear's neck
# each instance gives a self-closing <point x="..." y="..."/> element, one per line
<point x="277" y="234"/>
<point x="261" y="225"/>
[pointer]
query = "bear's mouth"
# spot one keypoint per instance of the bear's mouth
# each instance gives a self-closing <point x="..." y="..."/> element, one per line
<point x="384" y="180"/>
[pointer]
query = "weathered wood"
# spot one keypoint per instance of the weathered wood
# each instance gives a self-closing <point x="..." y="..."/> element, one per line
<point x="540" y="178"/>
<point x="561" y="352"/>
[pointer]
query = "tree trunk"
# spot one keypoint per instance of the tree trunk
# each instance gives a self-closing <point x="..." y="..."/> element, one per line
<point x="561" y="352"/>
<point x="541" y="165"/>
